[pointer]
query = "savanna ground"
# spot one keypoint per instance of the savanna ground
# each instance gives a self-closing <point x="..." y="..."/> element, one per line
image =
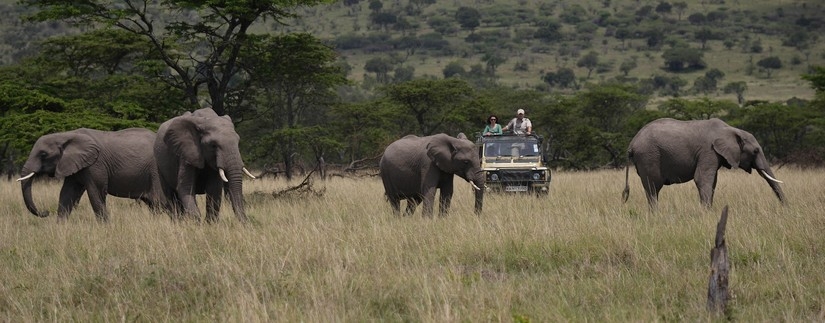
<point x="577" y="255"/>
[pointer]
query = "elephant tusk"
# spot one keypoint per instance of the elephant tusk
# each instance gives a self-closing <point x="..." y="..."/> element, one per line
<point x="246" y="171"/>
<point x="223" y="176"/>
<point x="769" y="176"/>
<point x="475" y="187"/>
<point x="25" y="177"/>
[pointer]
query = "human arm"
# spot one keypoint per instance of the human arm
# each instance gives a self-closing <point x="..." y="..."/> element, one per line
<point x="509" y="125"/>
<point x="496" y="130"/>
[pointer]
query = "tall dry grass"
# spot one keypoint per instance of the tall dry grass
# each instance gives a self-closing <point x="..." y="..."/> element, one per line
<point x="577" y="255"/>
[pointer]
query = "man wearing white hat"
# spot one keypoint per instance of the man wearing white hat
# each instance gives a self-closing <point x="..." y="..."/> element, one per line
<point x="519" y="125"/>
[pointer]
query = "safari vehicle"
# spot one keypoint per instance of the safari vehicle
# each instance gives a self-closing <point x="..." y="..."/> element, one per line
<point x="513" y="163"/>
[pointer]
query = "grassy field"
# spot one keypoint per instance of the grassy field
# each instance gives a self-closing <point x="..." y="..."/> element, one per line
<point x="579" y="255"/>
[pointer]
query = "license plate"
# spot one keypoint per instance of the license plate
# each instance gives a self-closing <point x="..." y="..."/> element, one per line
<point x="515" y="188"/>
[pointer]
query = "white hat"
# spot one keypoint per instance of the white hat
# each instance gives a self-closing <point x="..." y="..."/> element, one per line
<point x="520" y="111"/>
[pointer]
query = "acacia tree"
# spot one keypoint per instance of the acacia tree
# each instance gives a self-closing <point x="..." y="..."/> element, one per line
<point x="292" y="77"/>
<point x="200" y="46"/>
<point x="604" y="110"/>
<point x="435" y="105"/>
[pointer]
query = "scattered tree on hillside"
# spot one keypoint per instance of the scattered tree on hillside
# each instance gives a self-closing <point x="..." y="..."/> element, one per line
<point x="707" y="84"/>
<point x="697" y="18"/>
<point x="623" y="33"/>
<point x="453" y="69"/>
<point x="383" y="19"/>
<point x="493" y="60"/>
<point x="468" y="18"/>
<point x="376" y="5"/>
<point x="769" y="63"/>
<point x="716" y="17"/>
<point x="628" y="65"/>
<point x="664" y="8"/>
<point x="680" y="8"/>
<point x="381" y="66"/>
<point x="589" y="61"/>
<point x="563" y="78"/>
<point x="421" y="4"/>
<point x="703" y="35"/>
<point x="682" y="58"/>
<point x="549" y="30"/>
<point x="403" y="74"/>
<point x="739" y="88"/>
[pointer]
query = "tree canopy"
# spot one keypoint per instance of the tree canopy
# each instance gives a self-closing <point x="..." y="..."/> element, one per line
<point x="200" y="47"/>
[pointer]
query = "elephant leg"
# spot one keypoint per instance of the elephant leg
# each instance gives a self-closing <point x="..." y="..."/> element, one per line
<point x="706" y="184"/>
<point x="175" y="207"/>
<point x="186" y="191"/>
<point x="446" y="196"/>
<point x="395" y="203"/>
<point x="428" y="197"/>
<point x="70" y="195"/>
<point x="412" y="203"/>
<point x="97" y="197"/>
<point x="214" y="189"/>
<point x="652" y="189"/>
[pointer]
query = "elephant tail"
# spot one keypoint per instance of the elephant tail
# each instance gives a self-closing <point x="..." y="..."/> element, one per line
<point x="626" y="191"/>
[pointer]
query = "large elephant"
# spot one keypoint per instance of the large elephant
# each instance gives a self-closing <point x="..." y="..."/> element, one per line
<point x="197" y="153"/>
<point x="117" y="163"/>
<point x="413" y="167"/>
<point x="668" y="151"/>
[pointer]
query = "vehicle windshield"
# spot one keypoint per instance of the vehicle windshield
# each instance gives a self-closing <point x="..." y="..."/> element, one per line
<point x="511" y="148"/>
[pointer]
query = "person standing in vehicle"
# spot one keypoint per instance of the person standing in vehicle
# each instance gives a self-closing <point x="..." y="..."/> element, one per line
<point x="519" y="125"/>
<point x="492" y="128"/>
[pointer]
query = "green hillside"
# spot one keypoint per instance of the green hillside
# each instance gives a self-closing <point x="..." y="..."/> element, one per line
<point x="741" y="34"/>
<point x="521" y="41"/>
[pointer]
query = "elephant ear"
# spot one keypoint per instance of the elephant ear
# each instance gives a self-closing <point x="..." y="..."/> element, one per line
<point x="184" y="137"/>
<point x="441" y="151"/>
<point x="79" y="151"/>
<point x="729" y="148"/>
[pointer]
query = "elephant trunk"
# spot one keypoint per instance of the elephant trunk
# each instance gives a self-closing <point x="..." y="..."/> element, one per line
<point x="26" y="186"/>
<point x="234" y="187"/>
<point x="767" y="174"/>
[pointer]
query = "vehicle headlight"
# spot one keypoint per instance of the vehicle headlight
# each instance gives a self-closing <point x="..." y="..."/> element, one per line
<point x="494" y="177"/>
<point x="536" y="176"/>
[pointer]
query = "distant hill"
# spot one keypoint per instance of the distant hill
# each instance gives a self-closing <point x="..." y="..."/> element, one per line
<point x="523" y="40"/>
<point x="738" y="34"/>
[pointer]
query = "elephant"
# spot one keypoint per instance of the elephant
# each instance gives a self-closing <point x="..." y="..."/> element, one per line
<point x="413" y="167"/>
<point x="197" y="153"/>
<point x="668" y="151"/>
<point x="100" y="163"/>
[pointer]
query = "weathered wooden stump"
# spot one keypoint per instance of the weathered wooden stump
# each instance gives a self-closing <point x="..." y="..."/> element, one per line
<point x="718" y="293"/>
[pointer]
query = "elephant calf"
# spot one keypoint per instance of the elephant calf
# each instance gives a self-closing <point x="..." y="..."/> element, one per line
<point x="100" y="163"/>
<point x="668" y="151"/>
<point x="413" y="167"/>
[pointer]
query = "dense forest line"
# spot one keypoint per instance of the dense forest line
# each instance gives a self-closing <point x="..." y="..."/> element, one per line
<point x="312" y="79"/>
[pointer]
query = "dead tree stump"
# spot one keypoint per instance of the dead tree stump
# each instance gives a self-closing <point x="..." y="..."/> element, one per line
<point x="718" y="294"/>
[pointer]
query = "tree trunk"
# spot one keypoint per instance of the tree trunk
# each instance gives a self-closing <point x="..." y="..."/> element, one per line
<point x="718" y="294"/>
